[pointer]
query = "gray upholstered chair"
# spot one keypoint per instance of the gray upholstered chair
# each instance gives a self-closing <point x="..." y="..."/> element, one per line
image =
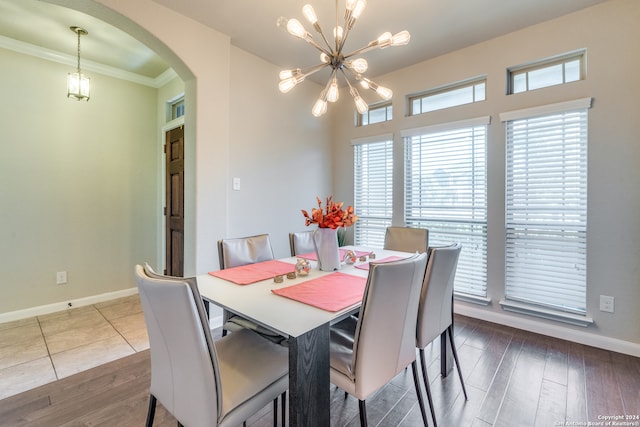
<point x="244" y="250"/>
<point x="301" y="242"/>
<point x="237" y="252"/>
<point x="435" y="312"/>
<point x="406" y="239"/>
<point x="196" y="378"/>
<point x="368" y="351"/>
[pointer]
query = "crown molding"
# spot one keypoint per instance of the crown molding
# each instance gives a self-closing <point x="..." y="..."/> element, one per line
<point x="87" y="65"/>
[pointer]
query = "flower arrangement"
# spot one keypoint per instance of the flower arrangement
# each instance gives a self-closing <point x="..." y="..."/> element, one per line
<point x="332" y="216"/>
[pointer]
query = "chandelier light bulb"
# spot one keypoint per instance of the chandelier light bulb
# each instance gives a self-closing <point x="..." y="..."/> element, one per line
<point x="319" y="108"/>
<point x="296" y="29"/>
<point x="337" y="33"/>
<point x="384" y="40"/>
<point x="384" y="93"/>
<point x="359" y="65"/>
<point x="285" y="74"/>
<point x="333" y="93"/>
<point x="353" y="5"/>
<point x="324" y="58"/>
<point x="358" y="8"/>
<point x="289" y="83"/>
<point x="310" y="14"/>
<point x="401" y="38"/>
<point x="361" y="106"/>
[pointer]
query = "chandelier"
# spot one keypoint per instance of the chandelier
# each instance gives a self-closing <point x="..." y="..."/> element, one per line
<point x="333" y="57"/>
<point x="78" y="83"/>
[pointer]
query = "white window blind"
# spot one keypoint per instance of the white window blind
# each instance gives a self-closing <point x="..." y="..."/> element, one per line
<point x="546" y="210"/>
<point x="373" y="191"/>
<point x="446" y="192"/>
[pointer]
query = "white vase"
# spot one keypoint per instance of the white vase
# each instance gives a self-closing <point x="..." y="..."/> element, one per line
<point x="325" y="241"/>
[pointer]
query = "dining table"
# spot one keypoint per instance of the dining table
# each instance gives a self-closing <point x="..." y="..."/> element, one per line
<point x="301" y="309"/>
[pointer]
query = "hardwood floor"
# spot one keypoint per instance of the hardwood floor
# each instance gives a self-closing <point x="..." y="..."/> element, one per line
<point x="514" y="378"/>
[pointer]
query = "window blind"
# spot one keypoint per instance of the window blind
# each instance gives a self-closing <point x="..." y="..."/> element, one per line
<point x="546" y="210"/>
<point x="373" y="191"/>
<point x="446" y="192"/>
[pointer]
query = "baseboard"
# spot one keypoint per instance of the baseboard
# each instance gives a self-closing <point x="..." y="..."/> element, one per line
<point x="531" y="325"/>
<point x="63" y="305"/>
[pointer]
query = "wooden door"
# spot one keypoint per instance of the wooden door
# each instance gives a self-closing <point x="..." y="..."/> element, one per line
<point x="174" y="210"/>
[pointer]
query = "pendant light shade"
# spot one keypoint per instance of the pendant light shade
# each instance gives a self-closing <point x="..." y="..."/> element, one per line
<point x="78" y="85"/>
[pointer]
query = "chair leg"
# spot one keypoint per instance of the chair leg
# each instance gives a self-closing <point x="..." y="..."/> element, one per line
<point x="283" y="409"/>
<point x="427" y="387"/>
<point x="152" y="410"/>
<point x="275" y="412"/>
<point x="416" y="382"/>
<point x="455" y="357"/>
<point x="363" y="414"/>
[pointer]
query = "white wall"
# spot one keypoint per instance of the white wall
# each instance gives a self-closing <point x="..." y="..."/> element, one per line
<point x="78" y="183"/>
<point x="278" y="149"/>
<point x="608" y="32"/>
<point x="281" y="153"/>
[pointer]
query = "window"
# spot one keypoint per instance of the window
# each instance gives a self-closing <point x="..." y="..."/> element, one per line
<point x="546" y="206"/>
<point x="373" y="189"/>
<point x="175" y="108"/>
<point x="446" y="192"/>
<point x="547" y="72"/>
<point x="460" y="93"/>
<point x="376" y="114"/>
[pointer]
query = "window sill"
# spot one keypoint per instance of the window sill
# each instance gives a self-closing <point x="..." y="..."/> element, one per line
<point x="473" y="299"/>
<point x="557" y="316"/>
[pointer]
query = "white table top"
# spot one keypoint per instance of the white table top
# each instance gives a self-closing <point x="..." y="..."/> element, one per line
<point x="282" y="315"/>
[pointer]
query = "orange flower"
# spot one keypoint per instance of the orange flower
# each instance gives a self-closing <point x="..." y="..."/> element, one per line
<point x="332" y="216"/>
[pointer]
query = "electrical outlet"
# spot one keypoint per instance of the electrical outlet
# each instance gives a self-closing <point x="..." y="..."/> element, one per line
<point x="606" y="303"/>
<point x="61" y="277"/>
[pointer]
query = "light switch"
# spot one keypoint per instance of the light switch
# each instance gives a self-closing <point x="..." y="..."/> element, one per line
<point x="236" y="184"/>
<point x="606" y="303"/>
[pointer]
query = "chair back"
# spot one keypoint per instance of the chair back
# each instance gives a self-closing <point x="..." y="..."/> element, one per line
<point x="406" y="239"/>
<point x="184" y="370"/>
<point x="301" y="242"/>
<point x="435" y="312"/>
<point x="244" y="250"/>
<point x="384" y="340"/>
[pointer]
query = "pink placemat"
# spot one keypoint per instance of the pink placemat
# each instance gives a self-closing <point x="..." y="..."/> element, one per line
<point x="312" y="256"/>
<point x="252" y="273"/>
<point x="332" y="292"/>
<point x="365" y="265"/>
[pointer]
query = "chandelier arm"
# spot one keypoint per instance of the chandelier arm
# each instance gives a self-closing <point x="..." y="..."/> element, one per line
<point x="346" y="78"/>
<point x="319" y="30"/>
<point x="336" y="29"/>
<point x="326" y="87"/>
<point x="313" y="43"/>
<point x="344" y="38"/>
<point x="371" y="46"/>
<point x="349" y="22"/>
<point x="347" y="69"/>
<point x="312" y="70"/>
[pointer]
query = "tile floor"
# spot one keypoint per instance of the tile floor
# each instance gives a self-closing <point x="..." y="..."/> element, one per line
<point x="41" y="349"/>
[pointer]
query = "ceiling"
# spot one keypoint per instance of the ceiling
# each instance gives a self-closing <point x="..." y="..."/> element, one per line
<point x="436" y="27"/>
